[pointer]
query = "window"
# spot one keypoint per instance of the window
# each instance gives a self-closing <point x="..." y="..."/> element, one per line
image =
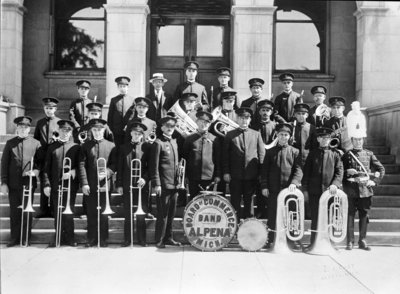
<point x="209" y="40"/>
<point x="79" y="35"/>
<point x="299" y="37"/>
<point x="170" y="40"/>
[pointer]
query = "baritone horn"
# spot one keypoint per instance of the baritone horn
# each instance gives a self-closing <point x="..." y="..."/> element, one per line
<point x="181" y="174"/>
<point x="289" y="219"/>
<point x="26" y="206"/>
<point x="184" y="125"/>
<point x="332" y="222"/>
<point x="222" y="121"/>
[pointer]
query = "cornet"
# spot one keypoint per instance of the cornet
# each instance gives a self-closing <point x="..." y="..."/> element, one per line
<point x="181" y="174"/>
<point x="82" y="136"/>
<point x="152" y="136"/>
<point x="27" y="193"/>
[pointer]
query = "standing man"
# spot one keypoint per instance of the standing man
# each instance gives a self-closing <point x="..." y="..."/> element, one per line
<point x="119" y="105"/>
<point x="281" y="169"/>
<point x="16" y="173"/>
<point x="323" y="170"/>
<point x="53" y="177"/>
<point x="45" y="133"/>
<point x="256" y="89"/>
<point x="77" y="110"/>
<point x="135" y="149"/>
<point x="224" y="76"/>
<point x="319" y="96"/>
<point x="284" y="102"/>
<point x="229" y="100"/>
<point x="161" y="100"/>
<point x="191" y="86"/>
<point x="91" y="151"/>
<point x="242" y="158"/>
<point x="202" y="151"/>
<point x="164" y="174"/>
<point x="359" y="191"/>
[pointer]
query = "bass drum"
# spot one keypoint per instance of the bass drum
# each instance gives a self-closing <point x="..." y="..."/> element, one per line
<point x="252" y="234"/>
<point x="209" y="221"/>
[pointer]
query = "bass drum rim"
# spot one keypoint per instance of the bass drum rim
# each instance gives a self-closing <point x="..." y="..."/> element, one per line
<point x="261" y="242"/>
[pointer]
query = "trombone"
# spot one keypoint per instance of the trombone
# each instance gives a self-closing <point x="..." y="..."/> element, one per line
<point x="101" y="165"/>
<point x="181" y="174"/>
<point x="27" y="193"/>
<point x="66" y="166"/>
<point x="136" y="174"/>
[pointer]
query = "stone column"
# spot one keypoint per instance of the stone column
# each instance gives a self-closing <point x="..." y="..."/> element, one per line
<point x="11" y="53"/>
<point x="252" y="44"/>
<point x="378" y="36"/>
<point x="126" y="45"/>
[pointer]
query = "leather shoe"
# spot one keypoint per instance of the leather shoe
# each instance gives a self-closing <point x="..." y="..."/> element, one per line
<point x="71" y="244"/>
<point x="160" y="245"/>
<point x="103" y="244"/>
<point x="172" y="242"/>
<point x="12" y="243"/>
<point x="52" y="245"/>
<point x="349" y="246"/>
<point x="268" y="245"/>
<point x="363" y="245"/>
<point x="90" y="244"/>
<point x="126" y="244"/>
<point x="143" y="243"/>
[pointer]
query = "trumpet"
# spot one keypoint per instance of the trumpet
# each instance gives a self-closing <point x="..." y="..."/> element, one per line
<point x="151" y="137"/>
<point x="224" y="121"/>
<point x="185" y="125"/>
<point x="61" y="189"/>
<point x="181" y="174"/>
<point x="324" y="112"/>
<point x="332" y="222"/>
<point x="82" y="136"/>
<point x="289" y="223"/>
<point x="55" y="136"/>
<point x="26" y="207"/>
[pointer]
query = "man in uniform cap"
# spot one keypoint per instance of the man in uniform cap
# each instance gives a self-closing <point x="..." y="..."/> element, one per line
<point x="323" y="170"/>
<point x="163" y="174"/>
<point x="161" y="101"/>
<point x="338" y="122"/>
<point x="137" y="148"/>
<point x="256" y="88"/>
<point x="119" y="105"/>
<point x="281" y="169"/>
<point x="91" y="151"/>
<point x="284" y="102"/>
<point x="224" y="76"/>
<point x="46" y="134"/>
<point x="191" y="86"/>
<point x="319" y="95"/>
<point x="16" y="170"/>
<point x="54" y="175"/>
<point x="77" y="109"/>
<point x="243" y="155"/>
<point x="202" y="151"/>
<point x="229" y="99"/>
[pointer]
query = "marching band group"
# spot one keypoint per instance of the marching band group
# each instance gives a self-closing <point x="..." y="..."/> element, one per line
<point x="160" y="142"/>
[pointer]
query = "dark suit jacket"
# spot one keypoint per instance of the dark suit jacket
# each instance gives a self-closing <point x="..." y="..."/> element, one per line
<point x="119" y="105"/>
<point x="305" y="139"/>
<point x="78" y="111"/>
<point x="284" y="104"/>
<point x="41" y="130"/>
<point x="340" y="126"/>
<point x="217" y="101"/>
<point x="195" y="87"/>
<point x="243" y="159"/>
<point x="155" y="113"/>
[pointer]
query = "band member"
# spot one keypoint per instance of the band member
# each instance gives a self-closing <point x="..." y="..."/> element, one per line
<point x="202" y="151"/>
<point x="319" y="96"/>
<point x="91" y="151"/>
<point x="188" y="102"/>
<point x="338" y="123"/>
<point x="94" y="111"/>
<point x="53" y="176"/>
<point x="119" y="105"/>
<point x="161" y="100"/>
<point x="229" y="100"/>
<point x="284" y="102"/>
<point x="135" y="149"/>
<point x="323" y="170"/>
<point x="359" y="192"/>
<point x="256" y="89"/>
<point x="191" y="86"/>
<point x="281" y="169"/>
<point x="163" y="175"/>
<point x="45" y="133"/>
<point x="16" y="170"/>
<point x="224" y="76"/>
<point x="77" y="110"/>
<point x="139" y="112"/>
<point x="304" y="138"/>
<point x="242" y="158"/>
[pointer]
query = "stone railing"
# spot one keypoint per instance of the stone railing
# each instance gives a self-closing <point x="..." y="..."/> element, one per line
<point x="384" y="124"/>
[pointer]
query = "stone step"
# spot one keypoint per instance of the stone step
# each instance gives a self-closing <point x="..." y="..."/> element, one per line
<point x="382" y="150"/>
<point x="387" y="190"/>
<point x="386" y="158"/>
<point x="391" y="179"/>
<point x="386" y="201"/>
<point x="392" y="168"/>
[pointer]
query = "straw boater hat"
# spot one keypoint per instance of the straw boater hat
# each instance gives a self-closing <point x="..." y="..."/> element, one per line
<point x="158" y="76"/>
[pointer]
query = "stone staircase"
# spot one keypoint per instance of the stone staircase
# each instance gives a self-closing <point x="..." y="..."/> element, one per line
<point x="384" y="227"/>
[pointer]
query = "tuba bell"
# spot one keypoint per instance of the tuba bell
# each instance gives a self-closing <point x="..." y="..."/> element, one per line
<point x="289" y="222"/>
<point x="222" y="120"/>
<point x="332" y="222"/>
<point x="185" y="125"/>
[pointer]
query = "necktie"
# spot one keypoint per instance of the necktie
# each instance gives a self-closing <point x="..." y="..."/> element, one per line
<point x="47" y="129"/>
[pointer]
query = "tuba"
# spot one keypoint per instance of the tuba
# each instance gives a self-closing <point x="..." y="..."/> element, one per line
<point x="289" y="222"/>
<point x="332" y="222"/>
<point x="324" y="112"/>
<point x="26" y="207"/>
<point x="185" y="125"/>
<point x="222" y="120"/>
